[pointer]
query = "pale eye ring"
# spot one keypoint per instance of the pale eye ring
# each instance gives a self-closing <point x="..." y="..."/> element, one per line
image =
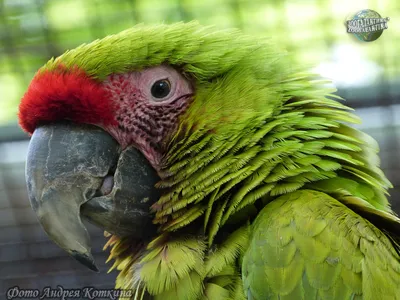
<point x="161" y="88"/>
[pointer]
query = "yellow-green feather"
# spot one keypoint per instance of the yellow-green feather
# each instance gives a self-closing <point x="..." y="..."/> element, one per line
<point x="272" y="155"/>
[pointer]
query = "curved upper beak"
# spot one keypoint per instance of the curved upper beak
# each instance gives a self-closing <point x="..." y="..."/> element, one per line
<point x="65" y="170"/>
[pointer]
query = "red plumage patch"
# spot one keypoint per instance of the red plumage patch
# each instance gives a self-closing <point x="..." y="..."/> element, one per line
<point x="64" y="94"/>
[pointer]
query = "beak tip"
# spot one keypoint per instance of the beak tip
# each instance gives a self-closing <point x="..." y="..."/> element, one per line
<point x="86" y="260"/>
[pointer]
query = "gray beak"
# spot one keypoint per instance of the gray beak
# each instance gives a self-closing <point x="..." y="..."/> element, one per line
<point x="68" y="166"/>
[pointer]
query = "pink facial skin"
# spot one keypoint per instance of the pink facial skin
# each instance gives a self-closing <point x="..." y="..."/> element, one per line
<point x="122" y="104"/>
<point x="142" y="119"/>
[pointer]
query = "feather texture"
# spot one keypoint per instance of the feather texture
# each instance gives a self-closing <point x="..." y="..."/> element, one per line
<point x="319" y="250"/>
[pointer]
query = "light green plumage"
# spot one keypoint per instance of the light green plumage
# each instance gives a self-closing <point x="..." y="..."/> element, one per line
<point x="307" y="245"/>
<point x="259" y="133"/>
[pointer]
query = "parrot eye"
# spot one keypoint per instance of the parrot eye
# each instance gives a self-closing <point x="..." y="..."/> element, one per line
<point x="161" y="89"/>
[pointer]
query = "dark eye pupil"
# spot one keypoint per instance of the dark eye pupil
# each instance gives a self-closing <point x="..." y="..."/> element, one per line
<point x="160" y="88"/>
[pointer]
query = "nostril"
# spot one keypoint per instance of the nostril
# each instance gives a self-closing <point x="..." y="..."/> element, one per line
<point x="107" y="186"/>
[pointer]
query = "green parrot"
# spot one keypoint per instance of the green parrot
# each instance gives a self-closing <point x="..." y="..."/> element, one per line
<point x="218" y="168"/>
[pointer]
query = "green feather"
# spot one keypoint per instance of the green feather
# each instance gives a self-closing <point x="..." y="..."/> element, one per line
<point x="321" y="246"/>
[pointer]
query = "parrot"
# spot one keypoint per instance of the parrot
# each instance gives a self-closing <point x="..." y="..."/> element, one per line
<point x="218" y="166"/>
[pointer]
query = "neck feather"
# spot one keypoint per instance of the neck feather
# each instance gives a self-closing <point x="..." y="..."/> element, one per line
<point x="213" y="178"/>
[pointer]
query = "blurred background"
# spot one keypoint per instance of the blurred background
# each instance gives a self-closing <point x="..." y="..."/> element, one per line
<point x="32" y="31"/>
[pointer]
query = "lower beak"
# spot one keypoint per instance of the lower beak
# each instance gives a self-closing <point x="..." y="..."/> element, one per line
<point x="66" y="168"/>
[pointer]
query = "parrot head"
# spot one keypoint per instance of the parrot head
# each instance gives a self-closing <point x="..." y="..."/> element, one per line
<point x="179" y="128"/>
<point x="114" y="122"/>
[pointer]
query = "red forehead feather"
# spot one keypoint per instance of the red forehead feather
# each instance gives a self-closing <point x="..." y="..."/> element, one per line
<point x="64" y="95"/>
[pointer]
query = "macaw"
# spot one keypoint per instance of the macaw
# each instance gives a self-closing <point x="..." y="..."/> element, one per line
<point x="219" y="168"/>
